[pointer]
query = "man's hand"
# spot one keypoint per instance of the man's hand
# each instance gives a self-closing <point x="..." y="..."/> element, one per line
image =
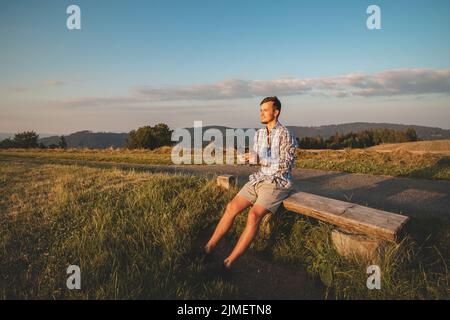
<point x="250" y="158"/>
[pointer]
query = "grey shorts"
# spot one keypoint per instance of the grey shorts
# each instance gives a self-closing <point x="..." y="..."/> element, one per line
<point x="266" y="194"/>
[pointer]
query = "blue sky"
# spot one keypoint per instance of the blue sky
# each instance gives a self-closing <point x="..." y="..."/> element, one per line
<point x="141" y="62"/>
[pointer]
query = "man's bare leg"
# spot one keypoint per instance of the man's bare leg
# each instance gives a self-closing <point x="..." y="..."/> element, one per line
<point x="234" y="207"/>
<point x="255" y="216"/>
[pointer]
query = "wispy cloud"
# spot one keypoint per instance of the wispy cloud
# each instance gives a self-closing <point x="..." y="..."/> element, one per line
<point x="53" y="83"/>
<point x="39" y="85"/>
<point x="100" y="101"/>
<point x="395" y="82"/>
<point x="18" y="89"/>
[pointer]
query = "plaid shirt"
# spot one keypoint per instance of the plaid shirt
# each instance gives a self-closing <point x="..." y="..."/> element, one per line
<point x="276" y="159"/>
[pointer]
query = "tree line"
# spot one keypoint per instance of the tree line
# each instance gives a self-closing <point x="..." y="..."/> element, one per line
<point x="361" y="139"/>
<point x="30" y="139"/>
<point x="147" y="137"/>
<point x="152" y="137"/>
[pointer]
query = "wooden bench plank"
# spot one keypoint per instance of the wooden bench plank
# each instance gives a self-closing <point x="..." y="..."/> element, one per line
<point x="348" y="216"/>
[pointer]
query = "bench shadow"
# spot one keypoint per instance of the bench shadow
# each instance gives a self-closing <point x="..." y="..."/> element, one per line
<point x="425" y="201"/>
<point x="407" y="196"/>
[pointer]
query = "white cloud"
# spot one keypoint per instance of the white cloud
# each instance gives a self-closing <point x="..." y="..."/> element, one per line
<point x="395" y="82"/>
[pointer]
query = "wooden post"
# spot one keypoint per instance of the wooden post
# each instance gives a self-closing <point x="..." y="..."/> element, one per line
<point x="226" y="181"/>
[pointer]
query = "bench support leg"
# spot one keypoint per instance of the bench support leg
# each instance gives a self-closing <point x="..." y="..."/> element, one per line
<point x="354" y="245"/>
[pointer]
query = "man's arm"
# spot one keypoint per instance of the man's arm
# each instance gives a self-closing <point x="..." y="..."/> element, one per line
<point x="252" y="156"/>
<point x="287" y="145"/>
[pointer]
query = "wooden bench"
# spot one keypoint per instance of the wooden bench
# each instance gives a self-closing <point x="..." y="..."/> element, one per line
<point x="360" y="229"/>
<point x="348" y="216"/>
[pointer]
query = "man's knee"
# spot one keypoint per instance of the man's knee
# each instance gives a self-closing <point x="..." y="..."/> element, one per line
<point x="232" y="208"/>
<point x="256" y="213"/>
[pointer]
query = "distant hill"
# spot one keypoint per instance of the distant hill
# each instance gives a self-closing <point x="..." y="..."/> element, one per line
<point x="423" y="132"/>
<point x="89" y="139"/>
<point x="325" y="131"/>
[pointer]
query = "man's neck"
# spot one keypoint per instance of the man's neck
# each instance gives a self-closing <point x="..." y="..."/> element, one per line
<point x="271" y="124"/>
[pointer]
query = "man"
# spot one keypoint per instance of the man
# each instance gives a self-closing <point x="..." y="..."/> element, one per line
<point x="274" y="150"/>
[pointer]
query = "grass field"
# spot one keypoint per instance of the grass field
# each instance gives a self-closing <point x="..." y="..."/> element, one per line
<point x="433" y="146"/>
<point x="130" y="233"/>
<point x="134" y="236"/>
<point x="396" y="163"/>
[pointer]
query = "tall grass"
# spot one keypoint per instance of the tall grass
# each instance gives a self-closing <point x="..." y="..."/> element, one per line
<point x="132" y="234"/>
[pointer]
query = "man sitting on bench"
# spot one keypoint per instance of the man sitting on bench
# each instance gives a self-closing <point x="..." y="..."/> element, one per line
<point x="274" y="150"/>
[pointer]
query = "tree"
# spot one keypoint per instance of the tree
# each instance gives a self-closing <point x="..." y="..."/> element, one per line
<point x="311" y="143"/>
<point x="411" y="134"/>
<point x="6" y="143"/>
<point x="26" y="139"/>
<point x="62" y="142"/>
<point x="149" y="137"/>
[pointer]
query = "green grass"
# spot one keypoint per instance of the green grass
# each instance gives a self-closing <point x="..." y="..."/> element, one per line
<point x="133" y="235"/>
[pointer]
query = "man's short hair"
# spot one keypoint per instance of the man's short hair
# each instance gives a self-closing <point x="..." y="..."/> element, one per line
<point x="276" y="103"/>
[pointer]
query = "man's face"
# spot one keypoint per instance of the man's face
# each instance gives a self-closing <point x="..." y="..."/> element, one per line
<point x="267" y="112"/>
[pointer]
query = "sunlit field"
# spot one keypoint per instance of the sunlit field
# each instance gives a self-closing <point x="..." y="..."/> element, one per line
<point x="136" y="235"/>
<point x="431" y="146"/>
<point x="396" y="163"/>
<point x="400" y="163"/>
